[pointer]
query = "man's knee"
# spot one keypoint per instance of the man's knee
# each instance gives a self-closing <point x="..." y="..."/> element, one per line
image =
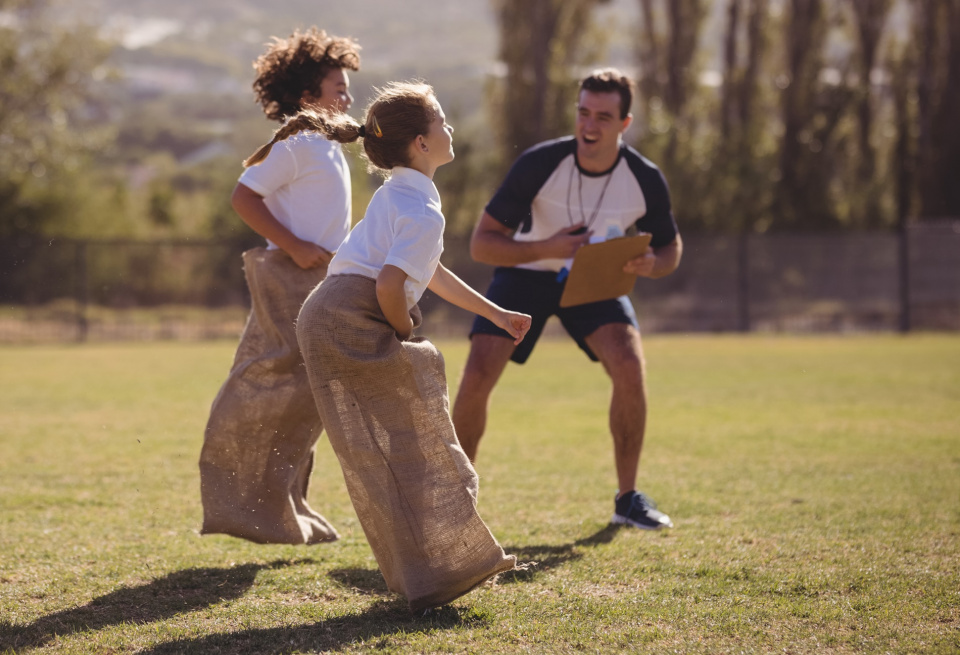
<point x="619" y="348"/>
<point x="485" y="363"/>
<point x="629" y="364"/>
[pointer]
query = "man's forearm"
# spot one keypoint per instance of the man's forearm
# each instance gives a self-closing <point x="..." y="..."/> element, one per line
<point x="493" y="243"/>
<point x="668" y="258"/>
<point x="499" y="250"/>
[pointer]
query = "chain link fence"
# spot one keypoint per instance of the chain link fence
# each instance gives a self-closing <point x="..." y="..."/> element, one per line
<point x="100" y="290"/>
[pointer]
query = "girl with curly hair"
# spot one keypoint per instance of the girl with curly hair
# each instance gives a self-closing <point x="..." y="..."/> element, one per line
<point x="258" y="448"/>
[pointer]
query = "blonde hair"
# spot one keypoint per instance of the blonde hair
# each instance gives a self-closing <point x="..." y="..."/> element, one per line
<point x="399" y="113"/>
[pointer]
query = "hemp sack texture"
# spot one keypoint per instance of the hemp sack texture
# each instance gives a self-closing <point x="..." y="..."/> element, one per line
<point x="385" y="407"/>
<point x="260" y="439"/>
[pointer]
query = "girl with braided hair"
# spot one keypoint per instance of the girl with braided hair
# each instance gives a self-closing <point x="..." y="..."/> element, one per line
<point x="258" y="448"/>
<point x="381" y="392"/>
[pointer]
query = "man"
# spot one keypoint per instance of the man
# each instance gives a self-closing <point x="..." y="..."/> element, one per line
<point x="556" y="195"/>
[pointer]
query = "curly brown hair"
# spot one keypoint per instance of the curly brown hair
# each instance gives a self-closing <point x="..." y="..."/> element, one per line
<point x="298" y="64"/>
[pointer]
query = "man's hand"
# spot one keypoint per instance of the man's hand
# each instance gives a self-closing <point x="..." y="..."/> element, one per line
<point x="657" y="262"/>
<point x="641" y="266"/>
<point x="309" y="255"/>
<point x="565" y="243"/>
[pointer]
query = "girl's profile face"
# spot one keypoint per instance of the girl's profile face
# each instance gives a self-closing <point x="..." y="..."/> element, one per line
<point x="439" y="139"/>
<point x="334" y="93"/>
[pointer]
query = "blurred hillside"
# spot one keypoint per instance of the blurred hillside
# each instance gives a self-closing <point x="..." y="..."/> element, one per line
<point x="187" y="46"/>
<point x="178" y="88"/>
<point x="207" y="46"/>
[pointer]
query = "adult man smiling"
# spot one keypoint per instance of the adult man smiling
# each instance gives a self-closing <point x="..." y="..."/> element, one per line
<point x="556" y="195"/>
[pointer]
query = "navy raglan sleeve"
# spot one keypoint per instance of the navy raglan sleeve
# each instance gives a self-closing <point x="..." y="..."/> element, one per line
<point x="658" y="220"/>
<point x="511" y="204"/>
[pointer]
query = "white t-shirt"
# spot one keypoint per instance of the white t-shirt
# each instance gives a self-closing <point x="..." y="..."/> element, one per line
<point x="305" y="183"/>
<point x="403" y="227"/>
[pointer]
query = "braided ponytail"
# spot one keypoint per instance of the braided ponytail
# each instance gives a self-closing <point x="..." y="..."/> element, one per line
<point x="337" y="127"/>
<point x="400" y="112"/>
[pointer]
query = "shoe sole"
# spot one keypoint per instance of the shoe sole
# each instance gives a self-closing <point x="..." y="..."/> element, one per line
<point x="623" y="520"/>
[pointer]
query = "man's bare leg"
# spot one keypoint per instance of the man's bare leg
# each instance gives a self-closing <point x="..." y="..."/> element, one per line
<point x="488" y="357"/>
<point x="618" y="347"/>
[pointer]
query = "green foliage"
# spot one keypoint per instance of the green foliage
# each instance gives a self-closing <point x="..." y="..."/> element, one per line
<point x="47" y="118"/>
<point x="804" y="114"/>
<point x="813" y="483"/>
<point x="763" y="114"/>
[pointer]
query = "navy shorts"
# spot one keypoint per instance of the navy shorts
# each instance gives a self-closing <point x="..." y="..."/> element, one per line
<point x="538" y="293"/>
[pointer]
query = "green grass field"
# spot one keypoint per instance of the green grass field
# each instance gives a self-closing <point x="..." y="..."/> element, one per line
<point x="814" y="483"/>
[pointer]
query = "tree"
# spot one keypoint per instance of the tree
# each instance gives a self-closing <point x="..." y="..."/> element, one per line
<point x="742" y="163"/>
<point x="667" y="57"/>
<point x="938" y="106"/>
<point x="870" y="17"/>
<point x="46" y="114"/>
<point x="540" y="42"/>
<point x="673" y="127"/>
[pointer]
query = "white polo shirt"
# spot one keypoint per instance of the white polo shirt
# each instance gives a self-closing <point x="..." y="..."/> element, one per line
<point x="403" y="227"/>
<point x="305" y="183"/>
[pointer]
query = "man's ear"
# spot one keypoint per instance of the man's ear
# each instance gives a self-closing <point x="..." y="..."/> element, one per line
<point x="626" y="123"/>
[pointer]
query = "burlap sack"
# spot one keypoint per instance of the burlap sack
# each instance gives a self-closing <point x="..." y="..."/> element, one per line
<point x="385" y="407"/>
<point x="259" y="443"/>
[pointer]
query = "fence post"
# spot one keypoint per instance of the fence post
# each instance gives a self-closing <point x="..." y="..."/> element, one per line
<point x="903" y="244"/>
<point x="743" y="282"/>
<point x="82" y="290"/>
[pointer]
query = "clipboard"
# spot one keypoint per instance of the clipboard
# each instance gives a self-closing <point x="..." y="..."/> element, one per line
<point x="597" y="270"/>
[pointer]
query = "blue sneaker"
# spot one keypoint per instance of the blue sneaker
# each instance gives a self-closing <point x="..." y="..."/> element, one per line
<point x="636" y="509"/>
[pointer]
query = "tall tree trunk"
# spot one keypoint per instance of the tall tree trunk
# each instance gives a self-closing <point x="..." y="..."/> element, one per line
<point x="950" y="116"/>
<point x="740" y="128"/>
<point x="539" y="42"/>
<point x="666" y="60"/>
<point x="927" y="38"/>
<point x="731" y="78"/>
<point x="526" y="32"/>
<point x="870" y="15"/>
<point x="904" y="160"/>
<point x="756" y="46"/>
<point x="651" y="65"/>
<point x="802" y="51"/>
<point x="938" y="96"/>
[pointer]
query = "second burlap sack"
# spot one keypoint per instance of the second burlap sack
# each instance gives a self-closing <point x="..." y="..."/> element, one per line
<point x="385" y="407"/>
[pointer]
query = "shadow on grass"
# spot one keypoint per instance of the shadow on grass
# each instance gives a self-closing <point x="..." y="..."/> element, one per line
<point x="549" y="557"/>
<point x="177" y="593"/>
<point x="369" y="582"/>
<point x="370" y="628"/>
